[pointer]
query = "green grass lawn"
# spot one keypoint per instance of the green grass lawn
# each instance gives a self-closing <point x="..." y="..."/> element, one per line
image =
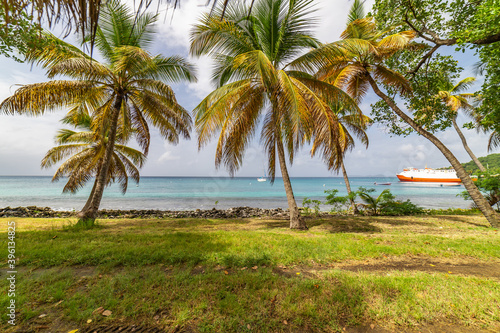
<point x="256" y="275"/>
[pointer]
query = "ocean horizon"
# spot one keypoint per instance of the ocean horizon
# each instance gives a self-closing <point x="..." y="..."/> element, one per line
<point x="190" y="193"/>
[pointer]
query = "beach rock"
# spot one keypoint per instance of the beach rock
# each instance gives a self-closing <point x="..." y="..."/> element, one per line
<point x="234" y="212"/>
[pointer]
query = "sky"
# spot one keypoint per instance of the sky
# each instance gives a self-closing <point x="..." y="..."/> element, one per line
<point x="25" y="140"/>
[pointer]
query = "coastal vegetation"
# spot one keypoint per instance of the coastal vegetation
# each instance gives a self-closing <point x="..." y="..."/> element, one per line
<point x="491" y="161"/>
<point x="384" y="203"/>
<point x="233" y="275"/>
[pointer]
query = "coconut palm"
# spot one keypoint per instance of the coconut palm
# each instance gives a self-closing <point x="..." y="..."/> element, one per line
<point x="351" y="126"/>
<point x="251" y="53"/>
<point x="356" y="63"/>
<point x="128" y="86"/>
<point x="456" y="100"/>
<point x="372" y="203"/>
<point x="336" y="146"/>
<point x="84" y="151"/>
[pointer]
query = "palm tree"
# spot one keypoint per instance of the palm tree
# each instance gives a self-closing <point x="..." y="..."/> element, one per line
<point x="335" y="144"/>
<point x="84" y="153"/>
<point x="357" y="124"/>
<point x="127" y="88"/>
<point x="252" y="52"/>
<point x="372" y="202"/>
<point x="453" y="97"/>
<point x="357" y="62"/>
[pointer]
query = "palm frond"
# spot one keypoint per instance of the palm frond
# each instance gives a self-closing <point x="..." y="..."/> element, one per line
<point x="464" y="84"/>
<point x="493" y="141"/>
<point x="38" y="98"/>
<point x="392" y="78"/>
<point x="80" y="69"/>
<point x="397" y="41"/>
<point x="58" y="153"/>
<point x="356" y="12"/>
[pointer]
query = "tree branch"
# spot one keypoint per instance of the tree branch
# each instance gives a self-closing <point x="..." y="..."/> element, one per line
<point x="423" y="60"/>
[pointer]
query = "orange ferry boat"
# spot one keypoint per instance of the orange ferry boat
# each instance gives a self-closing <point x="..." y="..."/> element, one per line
<point x="428" y="175"/>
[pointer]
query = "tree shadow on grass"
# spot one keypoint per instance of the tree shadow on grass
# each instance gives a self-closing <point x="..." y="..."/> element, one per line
<point x="332" y="225"/>
<point x="401" y="221"/>
<point x="465" y="220"/>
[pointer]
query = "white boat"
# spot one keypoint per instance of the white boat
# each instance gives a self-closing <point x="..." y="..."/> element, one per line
<point x="262" y="179"/>
<point x="429" y="175"/>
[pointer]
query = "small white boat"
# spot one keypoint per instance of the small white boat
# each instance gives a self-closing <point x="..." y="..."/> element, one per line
<point x="262" y="179"/>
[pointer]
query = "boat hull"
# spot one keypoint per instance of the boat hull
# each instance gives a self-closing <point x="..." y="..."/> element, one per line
<point x="428" y="180"/>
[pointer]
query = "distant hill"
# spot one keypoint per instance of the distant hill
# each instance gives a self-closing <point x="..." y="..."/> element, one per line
<point x="491" y="161"/>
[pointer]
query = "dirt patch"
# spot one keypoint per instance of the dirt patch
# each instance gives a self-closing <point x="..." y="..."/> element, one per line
<point x="438" y="327"/>
<point x="466" y="267"/>
<point x="123" y="329"/>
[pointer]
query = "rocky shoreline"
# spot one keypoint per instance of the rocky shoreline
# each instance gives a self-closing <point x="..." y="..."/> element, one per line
<point x="236" y="212"/>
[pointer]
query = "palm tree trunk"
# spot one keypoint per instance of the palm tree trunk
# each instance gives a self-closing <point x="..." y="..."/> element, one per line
<point x="90" y="213"/>
<point x="476" y="196"/>
<point x="348" y="186"/>
<point x="296" y="221"/>
<point x="91" y="196"/>
<point x="466" y="146"/>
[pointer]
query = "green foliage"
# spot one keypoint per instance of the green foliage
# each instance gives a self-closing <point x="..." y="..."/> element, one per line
<point x="385" y="203"/>
<point x="491" y="161"/>
<point x="489" y="56"/>
<point x="467" y="24"/>
<point x="401" y="208"/>
<point x="374" y="204"/>
<point x="465" y="20"/>
<point x="489" y="184"/>
<point x="81" y="153"/>
<point x="427" y="111"/>
<point x="307" y="203"/>
<point x="339" y="203"/>
<point x="18" y="35"/>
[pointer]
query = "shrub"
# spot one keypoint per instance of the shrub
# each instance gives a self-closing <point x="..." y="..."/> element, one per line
<point x="307" y="203"/>
<point x="339" y="203"/>
<point x="399" y="208"/>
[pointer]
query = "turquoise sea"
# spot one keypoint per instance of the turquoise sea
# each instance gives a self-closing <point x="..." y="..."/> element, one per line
<point x="188" y="193"/>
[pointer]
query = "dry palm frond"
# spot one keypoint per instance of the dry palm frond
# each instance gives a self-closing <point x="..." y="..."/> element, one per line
<point x="37" y="98"/>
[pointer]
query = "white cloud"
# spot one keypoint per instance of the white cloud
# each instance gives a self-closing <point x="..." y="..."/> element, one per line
<point x="168" y="156"/>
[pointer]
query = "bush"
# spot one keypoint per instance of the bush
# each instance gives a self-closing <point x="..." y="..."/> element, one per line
<point x="400" y="208"/>
<point x="339" y="203"/>
<point x="383" y="204"/>
<point x="488" y="183"/>
<point x="307" y="203"/>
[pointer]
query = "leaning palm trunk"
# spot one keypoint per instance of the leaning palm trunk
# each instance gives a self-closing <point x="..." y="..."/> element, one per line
<point x="91" y="196"/>
<point x="466" y="146"/>
<point x="476" y="196"/>
<point x="348" y="187"/>
<point x="89" y="213"/>
<point x="296" y="221"/>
